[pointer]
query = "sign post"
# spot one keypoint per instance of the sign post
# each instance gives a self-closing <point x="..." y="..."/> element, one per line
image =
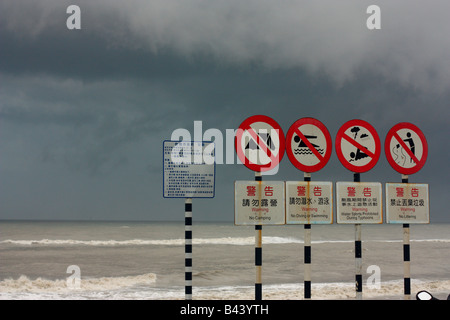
<point x="188" y="248"/>
<point x="259" y="203"/>
<point x="260" y="146"/>
<point x="308" y="146"/>
<point x="307" y="249"/>
<point x="406" y="150"/>
<point x="258" y="252"/>
<point x="189" y="172"/>
<point x="358" y="149"/>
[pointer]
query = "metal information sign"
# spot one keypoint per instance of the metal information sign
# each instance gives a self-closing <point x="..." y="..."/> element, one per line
<point x="407" y="203"/>
<point x="359" y="203"/>
<point x="189" y="169"/>
<point x="259" y="203"/>
<point x="309" y="202"/>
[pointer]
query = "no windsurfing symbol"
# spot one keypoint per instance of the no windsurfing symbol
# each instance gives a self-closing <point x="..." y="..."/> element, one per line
<point x="406" y="148"/>
<point x="358" y="146"/>
<point x="260" y="143"/>
<point x="308" y="145"/>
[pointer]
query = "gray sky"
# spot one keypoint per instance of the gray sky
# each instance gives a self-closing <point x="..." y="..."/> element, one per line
<point x="83" y="113"/>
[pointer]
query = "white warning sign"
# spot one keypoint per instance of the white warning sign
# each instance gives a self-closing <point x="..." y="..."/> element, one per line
<point x="259" y="203"/>
<point x="359" y="202"/>
<point x="309" y="202"/>
<point x="407" y="203"/>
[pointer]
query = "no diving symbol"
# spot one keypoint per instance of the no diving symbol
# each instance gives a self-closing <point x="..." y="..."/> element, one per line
<point x="406" y="148"/>
<point x="308" y="145"/>
<point x="358" y="146"/>
<point x="305" y="148"/>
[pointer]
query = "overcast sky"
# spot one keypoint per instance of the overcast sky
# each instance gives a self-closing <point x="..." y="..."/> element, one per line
<point x="83" y="113"/>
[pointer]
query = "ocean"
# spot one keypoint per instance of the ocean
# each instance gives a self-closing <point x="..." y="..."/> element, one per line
<point x="43" y="260"/>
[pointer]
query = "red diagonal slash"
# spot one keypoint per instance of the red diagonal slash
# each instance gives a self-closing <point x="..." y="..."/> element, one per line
<point x="308" y="144"/>
<point x="262" y="145"/>
<point x="357" y="145"/>
<point x="408" y="150"/>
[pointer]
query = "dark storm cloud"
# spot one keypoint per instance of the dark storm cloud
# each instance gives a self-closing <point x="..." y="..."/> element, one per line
<point x="101" y="99"/>
<point x="326" y="37"/>
<point x="92" y="120"/>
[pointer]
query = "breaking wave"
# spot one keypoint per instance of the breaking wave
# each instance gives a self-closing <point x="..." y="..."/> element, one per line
<point x="238" y="241"/>
<point x="40" y="285"/>
<point x="114" y="288"/>
<point x="388" y="290"/>
<point x="143" y="242"/>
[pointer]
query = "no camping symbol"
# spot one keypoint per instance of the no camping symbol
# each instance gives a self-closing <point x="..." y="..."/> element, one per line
<point x="259" y="143"/>
<point x="358" y="146"/>
<point x="308" y="145"/>
<point x="406" y="148"/>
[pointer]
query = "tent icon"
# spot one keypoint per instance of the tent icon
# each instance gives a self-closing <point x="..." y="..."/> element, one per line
<point x="252" y="145"/>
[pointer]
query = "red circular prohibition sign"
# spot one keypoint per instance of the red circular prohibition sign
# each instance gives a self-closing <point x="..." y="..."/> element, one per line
<point x="393" y="134"/>
<point x="295" y="130"/>
<point x="270" y="124"/>
<point x="373" y="155"/>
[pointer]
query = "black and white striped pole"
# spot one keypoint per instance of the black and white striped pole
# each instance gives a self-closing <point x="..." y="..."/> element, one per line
<point x="358" y="253"/>
<point x="258" y="252"/>
<point x="406" y="256"/>
<point x="188" y="248"/>
<point x="307" y="252"/>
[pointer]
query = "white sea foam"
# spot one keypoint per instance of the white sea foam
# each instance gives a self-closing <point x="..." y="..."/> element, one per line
<point x="139" y="288"/>
<point x="223" y="264"/>
<point x="323" y="291"/>
<point x="24" y="284"/>
<point x="178" y="242"/>
<point x="143" y="242"/>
